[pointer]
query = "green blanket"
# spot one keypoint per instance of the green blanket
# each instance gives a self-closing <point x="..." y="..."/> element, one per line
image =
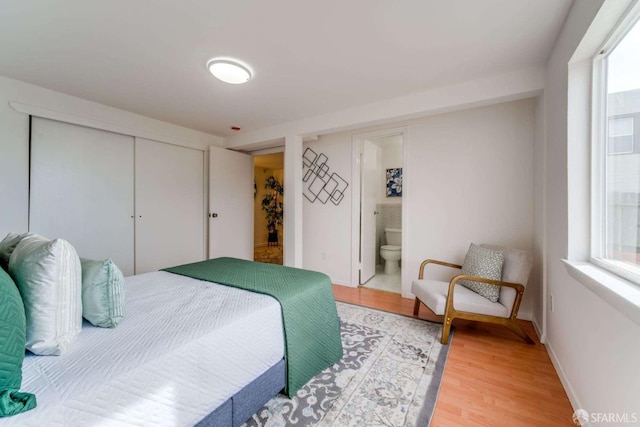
<point x="309" y="315"/>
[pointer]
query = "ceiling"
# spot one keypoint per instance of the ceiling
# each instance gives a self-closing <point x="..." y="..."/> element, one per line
<point x="309" y="58"/>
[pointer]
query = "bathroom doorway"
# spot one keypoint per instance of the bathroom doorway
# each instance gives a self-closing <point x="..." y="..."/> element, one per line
<point x="380" y="258"/>
<point x="268" y="194"/>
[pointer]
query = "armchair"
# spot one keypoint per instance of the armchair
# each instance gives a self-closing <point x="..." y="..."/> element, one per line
<point x="453" y="301"/>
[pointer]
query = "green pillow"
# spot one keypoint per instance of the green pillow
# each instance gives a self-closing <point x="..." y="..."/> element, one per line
<point x="485" y="263"/>
<point x="12" y="341"/>
<point x="102" y="293"/>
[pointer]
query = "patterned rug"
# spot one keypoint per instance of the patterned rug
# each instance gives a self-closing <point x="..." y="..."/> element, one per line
<point x="389" y="376"/>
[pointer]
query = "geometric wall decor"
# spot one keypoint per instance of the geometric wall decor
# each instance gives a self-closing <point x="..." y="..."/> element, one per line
<point x="320" y="185"/>
<point x="394" y="182"/>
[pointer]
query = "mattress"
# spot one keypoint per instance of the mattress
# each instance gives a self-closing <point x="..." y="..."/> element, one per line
<point x="183" y="348"/>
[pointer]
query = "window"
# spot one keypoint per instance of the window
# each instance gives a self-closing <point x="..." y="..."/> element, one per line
<point x="620" y="138"/>
<point x="616" y="166"/>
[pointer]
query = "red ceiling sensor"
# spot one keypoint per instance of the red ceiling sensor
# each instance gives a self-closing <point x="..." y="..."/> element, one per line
<point x="235" y="128"/>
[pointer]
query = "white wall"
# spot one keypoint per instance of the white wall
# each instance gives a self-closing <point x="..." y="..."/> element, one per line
<point x="593" y="346"/>
<point x="469" y="178"/>
<point x="539" y="179"/>
<point x="14" y="138"/>
<point x="504" y="87"/>
<point x="327" y="228"/>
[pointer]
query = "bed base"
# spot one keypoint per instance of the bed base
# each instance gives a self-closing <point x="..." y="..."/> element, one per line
<point x="242" y="405"/>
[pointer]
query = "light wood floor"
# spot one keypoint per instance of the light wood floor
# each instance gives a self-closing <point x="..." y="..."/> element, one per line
<point x="491" y="378"/>
<point x="268" y="254"/>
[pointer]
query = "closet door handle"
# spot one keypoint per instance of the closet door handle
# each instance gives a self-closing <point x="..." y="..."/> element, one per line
<point x="213" y="215"/>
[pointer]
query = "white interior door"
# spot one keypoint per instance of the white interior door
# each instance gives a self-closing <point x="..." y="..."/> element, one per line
<point x="369" y="186"/>
<point x="169" y="205"/>
<point x="82" y="189"/>
<point x="230" y="204"/>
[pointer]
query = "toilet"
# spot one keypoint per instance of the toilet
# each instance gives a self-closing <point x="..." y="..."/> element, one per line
<point x="391" y="252"/>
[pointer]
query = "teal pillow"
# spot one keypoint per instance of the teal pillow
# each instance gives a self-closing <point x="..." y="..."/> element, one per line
<point x="485" y="263"/>
<point x="102" y="293"/>
<point x="12" y="341"/>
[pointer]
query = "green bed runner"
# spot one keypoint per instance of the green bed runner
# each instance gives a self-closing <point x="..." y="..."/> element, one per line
<point x="309" y="315"/>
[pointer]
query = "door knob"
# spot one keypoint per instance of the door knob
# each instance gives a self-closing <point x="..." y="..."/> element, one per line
<point x="213" y="215"/>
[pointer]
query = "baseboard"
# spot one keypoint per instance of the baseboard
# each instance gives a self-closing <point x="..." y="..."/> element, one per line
<point x="571" y="394"/>
<point x="343" y="283"/>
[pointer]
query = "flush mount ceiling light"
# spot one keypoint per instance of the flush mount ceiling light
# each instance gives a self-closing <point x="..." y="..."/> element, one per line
<point x="229" y="70"/>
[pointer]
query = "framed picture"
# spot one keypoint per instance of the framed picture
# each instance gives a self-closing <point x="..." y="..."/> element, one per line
<point x="394" y="182"/>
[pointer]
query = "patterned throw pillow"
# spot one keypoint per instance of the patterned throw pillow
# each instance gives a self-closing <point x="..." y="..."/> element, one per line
<point x="485" y="263"/>
<point x="12" y="341"/>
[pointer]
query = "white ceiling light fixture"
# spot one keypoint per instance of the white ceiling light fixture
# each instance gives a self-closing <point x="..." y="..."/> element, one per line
<point x="229" y="70"/>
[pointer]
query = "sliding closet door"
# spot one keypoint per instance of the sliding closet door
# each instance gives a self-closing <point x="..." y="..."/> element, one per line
<point x="169" y="205"/>
<point x="82" y="189"/>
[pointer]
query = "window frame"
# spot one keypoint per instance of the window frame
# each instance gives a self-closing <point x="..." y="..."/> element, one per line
<point x="599" y="144"/>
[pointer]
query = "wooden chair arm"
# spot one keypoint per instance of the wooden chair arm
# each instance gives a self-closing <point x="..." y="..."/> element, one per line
<point x="434" y="261"/>
<point x="517" y="286"/>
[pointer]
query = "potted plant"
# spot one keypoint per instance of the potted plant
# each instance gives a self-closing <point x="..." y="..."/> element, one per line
<point x="273" y="206"/>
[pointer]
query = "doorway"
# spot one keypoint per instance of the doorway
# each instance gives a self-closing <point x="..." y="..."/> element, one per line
<point x="380" y="210"/>
<point x="268" y="197"/>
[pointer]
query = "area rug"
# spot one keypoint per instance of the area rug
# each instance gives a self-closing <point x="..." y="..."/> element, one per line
<point x="390" y="375"/>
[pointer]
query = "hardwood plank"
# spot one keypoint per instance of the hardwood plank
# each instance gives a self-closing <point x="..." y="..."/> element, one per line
<point x="492" y="378"/>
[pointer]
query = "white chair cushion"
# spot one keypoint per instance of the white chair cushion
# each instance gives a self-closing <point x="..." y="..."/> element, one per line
<point x="516" y="269"/>
<point x="433" y="293"/>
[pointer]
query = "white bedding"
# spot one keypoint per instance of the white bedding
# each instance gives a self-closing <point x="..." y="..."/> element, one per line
<point x="183" y="348"/>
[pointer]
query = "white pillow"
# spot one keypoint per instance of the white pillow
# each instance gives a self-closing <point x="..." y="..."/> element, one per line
<point x="48" y="276"/>
<point x="8" y="245"/>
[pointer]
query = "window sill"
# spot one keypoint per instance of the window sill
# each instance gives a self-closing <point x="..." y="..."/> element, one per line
<point x="621" y="294"/>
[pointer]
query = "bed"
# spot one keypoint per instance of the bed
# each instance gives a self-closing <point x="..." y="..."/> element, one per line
<point x="188" y="352"/>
